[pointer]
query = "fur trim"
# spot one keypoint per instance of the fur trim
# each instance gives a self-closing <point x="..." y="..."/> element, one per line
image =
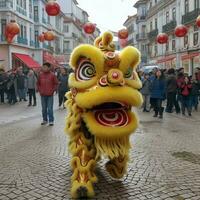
<point x="130" y="57"/>
<point x="101" y="95"/>
<point x="111" y="133"/>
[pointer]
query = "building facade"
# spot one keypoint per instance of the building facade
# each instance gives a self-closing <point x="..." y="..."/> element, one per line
<point x="162" y="16"/>
<point x="33" y="21"/>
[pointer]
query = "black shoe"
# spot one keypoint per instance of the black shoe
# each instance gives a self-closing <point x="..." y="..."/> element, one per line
<point x="29" y="104"/>
<point x="20" y="99"/>
<point x="160" y="116"/>
<point x="34" y="104"/>
<point x="44" y="123"/>
<point x="25" y="99"/>
<point x="155" y="115"/>
<point x="190" y="114"/>
<point x="51" y="123"/>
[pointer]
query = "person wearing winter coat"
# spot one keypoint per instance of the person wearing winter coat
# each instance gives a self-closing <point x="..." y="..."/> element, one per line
<point x="157" y="95"/>
<point x="186" y="88"/>
<point x="145" y="91"/>
<point x="31" y="84"/>
<point x="171" y="92"/>
<point x="3" y="81"/>
<point x="195" y="91"/>
<point x="21" y="81"/>
<point x="47" y="84"/>
<point x="63" y="86"/>
<point x="11" y="88"/>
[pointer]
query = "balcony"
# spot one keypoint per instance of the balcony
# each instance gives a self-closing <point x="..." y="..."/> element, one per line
<point x="37" y="45"/>
<point x="22" y="40"/>
<point x="49" y="47"/>
<point x="169" y="27"/>
<point x="152" y="35"/>
<point x="141" y="18"/>
<point x="141" y="36"/>
<point x="21" y="11"/>
<point x="32" y="43"/>
<point x="191" y="16"/>
<point x="6" y="4"/>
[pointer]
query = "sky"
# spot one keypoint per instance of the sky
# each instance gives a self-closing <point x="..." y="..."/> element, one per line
<point x="108" y="14"/>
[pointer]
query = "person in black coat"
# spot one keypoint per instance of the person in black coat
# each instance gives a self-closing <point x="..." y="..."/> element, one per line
<point x="171" y="92"/>
<point x="63" y="86"/>
<point x="3" y="81"/>
<point x="195" y="91"/>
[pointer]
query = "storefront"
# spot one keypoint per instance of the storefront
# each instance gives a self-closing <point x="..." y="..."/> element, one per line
<point x="190" y="62"/>
<point x="25" y="61"/>
<point x="167" y="62"/>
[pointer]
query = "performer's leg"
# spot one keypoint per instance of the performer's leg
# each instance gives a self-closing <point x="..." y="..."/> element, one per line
<point x="83" y="165"/>
<point x="117" y="166"/>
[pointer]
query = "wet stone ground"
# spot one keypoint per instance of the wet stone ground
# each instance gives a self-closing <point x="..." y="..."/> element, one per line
<point x="164" y="160"/>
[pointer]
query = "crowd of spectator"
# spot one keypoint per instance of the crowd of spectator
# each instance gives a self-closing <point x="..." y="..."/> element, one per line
<point x="180" y="91"/>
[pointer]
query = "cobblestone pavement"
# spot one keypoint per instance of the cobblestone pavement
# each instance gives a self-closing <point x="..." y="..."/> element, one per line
<point x="164" y="164"/>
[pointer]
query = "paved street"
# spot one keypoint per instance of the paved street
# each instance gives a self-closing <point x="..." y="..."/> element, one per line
<point x="35" y="164"/>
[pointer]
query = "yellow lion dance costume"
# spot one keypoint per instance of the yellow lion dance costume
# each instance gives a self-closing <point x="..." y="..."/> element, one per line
<point x="104" y="87"/>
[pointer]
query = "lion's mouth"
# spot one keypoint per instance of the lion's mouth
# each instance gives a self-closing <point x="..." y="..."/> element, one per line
<point x="112" y="114"/>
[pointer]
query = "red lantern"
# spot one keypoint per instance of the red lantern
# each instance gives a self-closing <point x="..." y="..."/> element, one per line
<point x="52" y="8"/>
<point x="198" y="21"/>
<point x="181" y="31"/>
<point x="123" y="42"/>
<point x="123" y="34"/>
<point x="49" y="36"/>
<point x="89" y="28"/>
<point x="41" y="37"/>
<point x="162" y="38"/>
<point x="11" y="30"/>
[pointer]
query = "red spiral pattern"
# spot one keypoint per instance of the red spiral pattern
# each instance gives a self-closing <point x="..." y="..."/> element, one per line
<point x="112" y="118"/>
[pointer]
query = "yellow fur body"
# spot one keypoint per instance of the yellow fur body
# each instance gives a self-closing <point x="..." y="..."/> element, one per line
<point x="104" y="87"/>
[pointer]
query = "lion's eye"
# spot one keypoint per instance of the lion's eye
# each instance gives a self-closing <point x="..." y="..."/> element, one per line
<point x="85" y="71"/>
<point x="129" y="73"/>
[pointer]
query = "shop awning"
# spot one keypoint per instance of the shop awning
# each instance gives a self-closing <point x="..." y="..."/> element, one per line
<point x="165" y="59"/>
<point x="189" y="56"/>
<point x="27" y="60"/>
<point x="47" y="57"/>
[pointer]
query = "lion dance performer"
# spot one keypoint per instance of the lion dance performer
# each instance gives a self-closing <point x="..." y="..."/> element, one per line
<point x="104" y="87"/>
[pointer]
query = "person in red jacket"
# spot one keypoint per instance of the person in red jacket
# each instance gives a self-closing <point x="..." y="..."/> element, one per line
<point x="47" y="84"/>
<point x="186" y="87"/>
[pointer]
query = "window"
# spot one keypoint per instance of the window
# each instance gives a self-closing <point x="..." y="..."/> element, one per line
<point x="173" y="44"/>
<point x="151" y="4"/>
<point x="156" y="49"/>
<point x="66" y="46"/>
<point x="22" y="31"/>
<point x="36" y="13"/>
<point x="36" y="36"/>
<point x="186" y="41"/>
<point x="65" y="28"/>
<point x="196" y="4"/>
<point x="167" y="17"/>
<point x="167" y="46"/>
<point x="186" y="6"/>
<point x="3" y="26"/>
<point x="151" y="26"/>
<point x="195" y="38"/>
<point x="174" y="13"/>
<point x="25" y="32"/>
<point x="156" y="23"/>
